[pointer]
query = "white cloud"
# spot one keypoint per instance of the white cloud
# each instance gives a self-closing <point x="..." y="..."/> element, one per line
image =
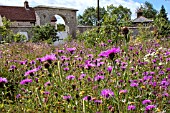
<point x="81" y="5"/>
<point x="169" y="16"/>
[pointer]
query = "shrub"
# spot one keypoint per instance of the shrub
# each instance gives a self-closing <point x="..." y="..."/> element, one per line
<point x="7" y="35"/>
<point x="46" y="33"/>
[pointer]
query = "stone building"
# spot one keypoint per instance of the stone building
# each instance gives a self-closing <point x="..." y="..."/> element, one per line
<point x="24" y="18"/>
<point x="141" y="19"/>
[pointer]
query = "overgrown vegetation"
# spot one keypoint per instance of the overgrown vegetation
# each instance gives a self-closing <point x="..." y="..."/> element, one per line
<point x="102" y="72"/>
<point x="7" y="35"/>
<point x="131" y="77"/>
<point x="46" y="33"/>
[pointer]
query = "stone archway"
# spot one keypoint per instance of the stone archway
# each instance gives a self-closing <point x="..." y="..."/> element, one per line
<point x="44" y="14"/>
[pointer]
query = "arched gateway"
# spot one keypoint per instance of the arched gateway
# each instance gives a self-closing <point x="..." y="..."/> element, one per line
<point x="45" y="13"/>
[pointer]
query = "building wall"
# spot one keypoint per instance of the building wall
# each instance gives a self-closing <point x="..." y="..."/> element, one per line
<point x="22" y="29"/>
<point x="1" y="24"/>
<point x="82" y="29"/>
<point x="22" y="24"/>
<point x="46" y="13"/>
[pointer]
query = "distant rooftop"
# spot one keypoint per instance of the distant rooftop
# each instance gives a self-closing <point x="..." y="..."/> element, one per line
<point x="54" y="7"/>
<point x="15" y="13"/>
<point x="141" y="19"/>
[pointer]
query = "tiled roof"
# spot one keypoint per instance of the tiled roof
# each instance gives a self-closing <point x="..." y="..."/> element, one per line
<point x="18" y="13"/>
<point x="141" y="19"/>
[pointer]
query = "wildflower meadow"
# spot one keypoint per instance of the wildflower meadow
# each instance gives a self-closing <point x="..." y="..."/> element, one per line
<point x="71" y="78"/>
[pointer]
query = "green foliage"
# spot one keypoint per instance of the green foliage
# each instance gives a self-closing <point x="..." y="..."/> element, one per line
<point x="89" y="16"/>
<point x="148" y="10"/>
<point x="7" y="35"/>
<point x="115" y="19"/>
<point x="144" y="32"/>
<point x="60" y="27"/>
<point x="19" y="38"/>
<point x="162" y="24"/>
<point x="162" y="13"/>
<point x="110" y="29"/>
<point x="123" y="14"/>
<point x="46" y="33"/>
<point x="5" y="31"/>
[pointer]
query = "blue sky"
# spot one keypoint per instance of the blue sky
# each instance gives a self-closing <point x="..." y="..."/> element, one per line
<point x="81" y="5"/>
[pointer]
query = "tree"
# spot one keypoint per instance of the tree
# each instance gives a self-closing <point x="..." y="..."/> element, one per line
<point x="163" y="13"/>
<point x="162" y="24"/>
<point x="123" y="14"/>
<point x="7" y="34"/>
<point x="115" y="19"/>
<point x="148" y="10"/>
<point x="5" y="29"/>
<point x="60" y="27"/>
<point x="44" y="33"/>
<point x="89" y="17"/>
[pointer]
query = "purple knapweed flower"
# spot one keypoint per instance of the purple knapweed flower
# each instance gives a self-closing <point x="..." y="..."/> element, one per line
<point x="70" y="77"/>
<point x="145" y="78"/>
<point x="109" y="69"/>
<point x="3" y="80"/>
<point x="98" y="77"/>
<point x="98" y="101"/>
<point x="123" y="68"/>
<point x="131" y="107"/>
<point x="13" y="67"/>
<point x="32" y="62"/>
<point x="46" y="92"/>
<point x="82" y="76"/>
<point x="110" y="53"/>
<point x="87" y="98"/>
<point x="79" y="58"/>
<point x="66" y="69"/>
<point x="109" y="41"/>
<point x="23" y="62"/>
<point x="167" y="53"/>
<point x="25" y="81"/>
<point x="131" y="48"/>
<point x="67" y="97"/>
<point x="167" y="59"/>
<point x="153" y="84"/>
<point x="161" y="72"/>
<point x="122" y="91"/>
<point x="47" y="83"/>
<point x="49" y="58"/>
<point x="18" y="96"/>
<point x="145" y="73"/>
<point x="36" y="80"/>
<point x="132" y="69"/>
<point x="103" y="54"/>
<point x="89" y="65"/>
<point x="60" y="51"/>
<point x="164" y="83"/>
<point x="165" y="94"/>
<point x="100" y="64"/>
<point x="150" y="107"/>
<point x="90" y="55"/>
<point x="31" y="72"/>
<point x="107" y="93"/>
<point x="168" y="69"/>
<point x="71" y="50"/>
<point x="134" y="84"/>
<point x="144" y="102"/>
<point x="152" y="73"/>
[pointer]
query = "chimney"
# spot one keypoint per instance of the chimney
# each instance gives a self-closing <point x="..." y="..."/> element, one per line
<point x="139" y="13"/>
<point x="26" y="5"/>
